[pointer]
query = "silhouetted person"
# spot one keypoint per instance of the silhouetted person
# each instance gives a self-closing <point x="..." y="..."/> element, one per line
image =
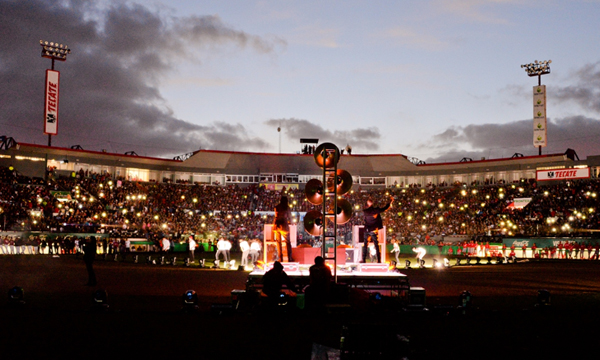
<point x="281" y="229"/>
<point x="373" y="223"/>
<point x="89" y="254"/>
<point x="273" y="282"/>
<point x="317" y="293"/>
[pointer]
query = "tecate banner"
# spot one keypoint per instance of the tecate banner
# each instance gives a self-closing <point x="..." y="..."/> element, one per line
<point x="51" y="103"/>
<point x="563" y="174"/>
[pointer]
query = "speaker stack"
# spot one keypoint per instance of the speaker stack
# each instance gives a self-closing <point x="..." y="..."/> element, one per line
<point x="326" y="193"/>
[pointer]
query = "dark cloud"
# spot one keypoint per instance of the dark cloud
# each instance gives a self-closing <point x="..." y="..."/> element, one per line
<point x="585" y="92"/>
<point x="109" y="84"/>
<point x="361" y="139"/>
<point x="503" y="140"/>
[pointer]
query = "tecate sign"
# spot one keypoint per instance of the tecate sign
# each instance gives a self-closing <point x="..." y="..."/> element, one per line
<point x="563" y="174"/>
<point x="51" y="103"/>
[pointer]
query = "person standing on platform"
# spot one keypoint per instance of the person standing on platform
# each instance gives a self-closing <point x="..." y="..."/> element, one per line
<point x="281" y="229"/>
<point x="166" y="245"/>
<point x="245" y="247"/>
<point x="396" y="250"/>
<point x="255" y="249"/>
<point x="221" y="249"/>
<point x="89" y="254"/>
<point x="373" y="223"/>
<point x="191" y="248"/>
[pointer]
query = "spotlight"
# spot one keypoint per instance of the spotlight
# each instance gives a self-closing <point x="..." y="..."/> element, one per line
<point x="436" y="264"/>
<point x="216" y="264"/>
<point x="16" y="296"/>
<point x="100" y="298"/>
<point x="190" y="300"/>
<point x="465" y="300"/>
<point x="392" y="265"/>
<point x="407" y="264"/>
<point x="446" y="263"/>
<point x="543" y="298"/>
<point x="421" y="263"/>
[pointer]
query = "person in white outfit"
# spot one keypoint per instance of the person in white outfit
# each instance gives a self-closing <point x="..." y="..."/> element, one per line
<point x="245" y="247"/>
<point x="221" y="249"/>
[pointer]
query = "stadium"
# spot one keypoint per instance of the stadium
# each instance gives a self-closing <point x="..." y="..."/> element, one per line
<point x="538" y="214"/>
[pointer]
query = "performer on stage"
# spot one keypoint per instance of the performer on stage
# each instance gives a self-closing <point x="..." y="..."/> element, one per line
<point x="245" y="247"/>
<point x="420" y="252"/>
<point x="373" y="224"/>
<point x="281" y="229"/>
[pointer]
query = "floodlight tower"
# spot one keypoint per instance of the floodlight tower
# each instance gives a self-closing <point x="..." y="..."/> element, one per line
<point x="539" y="68"/>
<point x="54" y="51"/>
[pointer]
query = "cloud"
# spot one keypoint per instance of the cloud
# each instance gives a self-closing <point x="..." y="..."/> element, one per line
<point x="361" y="139"/>
<point x="503" y="140"/>
<point x="109" y="95"/>
<point x="585" y="92"/>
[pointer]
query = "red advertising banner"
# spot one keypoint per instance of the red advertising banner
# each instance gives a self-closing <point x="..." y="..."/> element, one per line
<point x="563" y="174"/>
<point x="51" y="102"/>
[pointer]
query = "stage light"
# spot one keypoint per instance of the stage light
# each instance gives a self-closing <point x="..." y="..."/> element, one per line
<point x="99" y="300"/>
<point x="16" y="296"/>
<point x="446" y="262"/>
<point x="392" y="265"/>
<point x="422" y="263"/>
<point x="216" y="264"/>
<point x="465" y="299"/>
<point x="407" y="264"/>
<point x="190" y="300"/>
<point x="436" y="264"/>
<point x="543" y="298"/>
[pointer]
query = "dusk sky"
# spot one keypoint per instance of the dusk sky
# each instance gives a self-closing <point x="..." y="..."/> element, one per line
<point x="436" y="80"/>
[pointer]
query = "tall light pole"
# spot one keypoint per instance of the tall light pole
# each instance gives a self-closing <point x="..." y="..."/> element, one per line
<point x="54" y="51"/>
<point x="539" y="68"/>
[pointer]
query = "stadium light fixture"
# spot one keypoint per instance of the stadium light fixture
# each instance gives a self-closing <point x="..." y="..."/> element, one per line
<point x="54" y="51"/>
<point x="537" y="68"/>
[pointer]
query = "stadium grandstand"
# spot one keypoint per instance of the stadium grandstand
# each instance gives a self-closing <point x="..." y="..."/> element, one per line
<point x="215" y="193"/>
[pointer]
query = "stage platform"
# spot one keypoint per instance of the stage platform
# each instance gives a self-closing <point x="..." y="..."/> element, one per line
<point x="361" y="276"/>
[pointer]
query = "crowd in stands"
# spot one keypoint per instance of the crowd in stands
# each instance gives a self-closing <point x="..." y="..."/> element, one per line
<point x="92" y="203"/>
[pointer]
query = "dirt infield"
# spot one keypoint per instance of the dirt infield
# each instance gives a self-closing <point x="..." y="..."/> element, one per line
<point x="145" y="317"/>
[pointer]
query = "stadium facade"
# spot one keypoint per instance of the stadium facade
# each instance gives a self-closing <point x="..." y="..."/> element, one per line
<point x="278" y="170"/>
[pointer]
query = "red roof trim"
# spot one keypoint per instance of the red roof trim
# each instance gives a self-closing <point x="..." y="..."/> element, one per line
<point x="491" y="160"/>
<point x="97" y="152"/>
